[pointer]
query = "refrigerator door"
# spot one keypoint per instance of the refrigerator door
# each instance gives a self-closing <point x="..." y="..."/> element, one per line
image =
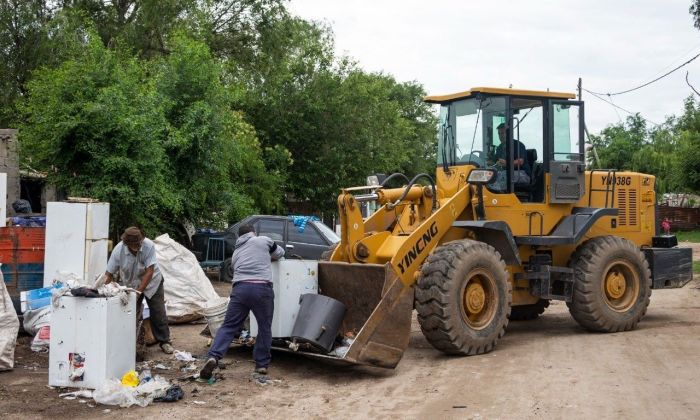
<point x="65" y="240"/>
<point x="95" y="259"/>
<point x="97" y="225"/>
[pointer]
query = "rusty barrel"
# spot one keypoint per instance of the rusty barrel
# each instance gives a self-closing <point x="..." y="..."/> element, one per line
<point x="22" y="258"/>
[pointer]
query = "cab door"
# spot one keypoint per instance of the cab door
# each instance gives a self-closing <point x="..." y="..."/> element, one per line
<point x="566" y="159"/>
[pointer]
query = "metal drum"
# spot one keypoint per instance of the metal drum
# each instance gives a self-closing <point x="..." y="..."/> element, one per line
<point x="318" y="321"/>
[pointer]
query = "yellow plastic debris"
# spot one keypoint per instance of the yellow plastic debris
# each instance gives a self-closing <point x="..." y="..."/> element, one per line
<point x="130" y="379"/>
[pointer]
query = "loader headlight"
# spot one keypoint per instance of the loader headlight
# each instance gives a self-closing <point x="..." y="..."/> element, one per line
<point x="481" y="176"/>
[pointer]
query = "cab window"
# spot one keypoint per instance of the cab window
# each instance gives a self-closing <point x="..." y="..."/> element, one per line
<point x="566" y="132"/>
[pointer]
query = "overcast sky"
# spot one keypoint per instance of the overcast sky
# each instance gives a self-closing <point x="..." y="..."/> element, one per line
<point x="451" y="46"/>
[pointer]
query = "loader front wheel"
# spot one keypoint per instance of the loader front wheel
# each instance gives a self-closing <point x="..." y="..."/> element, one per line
<point x="463" y="298"/>
<point x="612" y="285"/>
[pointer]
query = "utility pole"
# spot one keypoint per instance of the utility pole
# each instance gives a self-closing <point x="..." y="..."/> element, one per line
<point x="585" y="127"/>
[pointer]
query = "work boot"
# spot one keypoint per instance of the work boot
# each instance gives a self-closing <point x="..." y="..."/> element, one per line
<point x="167" y="348"/>
<point x="261" y="370"/>
<point x="208" y="368"/>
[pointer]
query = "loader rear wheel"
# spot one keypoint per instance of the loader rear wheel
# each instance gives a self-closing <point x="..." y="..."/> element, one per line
<point x="463" y="298"/>
<point x="612" y="285"/>
<point x="528" y="312"/>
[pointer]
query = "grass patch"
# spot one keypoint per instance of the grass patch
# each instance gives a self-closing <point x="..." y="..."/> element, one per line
<point x="689" y="236"/>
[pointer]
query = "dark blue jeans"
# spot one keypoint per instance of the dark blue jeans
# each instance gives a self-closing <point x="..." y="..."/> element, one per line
<point x="246" y="297"/>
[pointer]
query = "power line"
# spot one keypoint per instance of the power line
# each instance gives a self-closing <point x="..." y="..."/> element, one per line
<point x="647" y="83"/>
<point x="597" y="95"/>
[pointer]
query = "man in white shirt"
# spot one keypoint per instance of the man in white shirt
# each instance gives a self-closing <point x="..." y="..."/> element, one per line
<point x="134" y="262"/>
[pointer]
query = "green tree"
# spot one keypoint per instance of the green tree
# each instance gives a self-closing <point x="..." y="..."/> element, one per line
<point x="24" y="47"/>
<point x="95" y="126"/>
<point x="157" y="138"/>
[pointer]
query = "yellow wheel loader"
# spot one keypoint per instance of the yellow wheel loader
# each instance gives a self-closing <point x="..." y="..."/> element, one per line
<point x="510" y="221"/>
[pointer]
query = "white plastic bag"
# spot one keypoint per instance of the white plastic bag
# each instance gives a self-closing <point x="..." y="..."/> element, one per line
<point x="112" y="392"/>
<point x="188" y="291"/>
<point x="9" y="326"/>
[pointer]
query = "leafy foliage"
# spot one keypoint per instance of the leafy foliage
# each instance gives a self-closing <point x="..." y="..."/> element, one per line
<point x="200" y="111"/>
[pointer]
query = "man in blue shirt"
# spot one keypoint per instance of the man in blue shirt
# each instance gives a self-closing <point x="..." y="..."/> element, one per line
<point x="134" y="262"/>
<point x="521" y="167"/>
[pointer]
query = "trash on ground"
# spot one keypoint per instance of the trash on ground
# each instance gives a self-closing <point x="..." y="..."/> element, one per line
<point x="189" y="368"/>
<point x="172" y="394"/>
<point x="113" y="392"/>
<point x="130" y="379"/>
<point x="145" y="376"/>
<point x="161" y="366"/>
<point x="263" y="380"/>
<point x="199" y="402"/>
<point x="83" y="393"/>
<point x="184" y="356"/>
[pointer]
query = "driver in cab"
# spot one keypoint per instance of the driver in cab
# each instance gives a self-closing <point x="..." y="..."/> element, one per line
<point x="521" y="168"/>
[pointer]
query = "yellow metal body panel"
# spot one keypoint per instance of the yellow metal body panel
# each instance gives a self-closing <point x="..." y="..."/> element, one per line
<point x="436" y="99"/>
<point x="405" y="234"/>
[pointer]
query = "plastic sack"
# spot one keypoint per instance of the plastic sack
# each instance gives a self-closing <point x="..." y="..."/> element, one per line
<point x="9" y="326"/>
<point x="112" y="392"/>
<point x="188" y="291"/>
<point x="42" y="340"/>
<point x="35" y="319"/>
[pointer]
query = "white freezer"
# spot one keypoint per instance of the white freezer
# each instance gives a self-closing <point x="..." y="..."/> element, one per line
<point x="99" y="331"/>
<point x="290" y="280"/>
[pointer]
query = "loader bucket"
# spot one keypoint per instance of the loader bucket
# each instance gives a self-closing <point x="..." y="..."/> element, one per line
<point x="378" y="313"/>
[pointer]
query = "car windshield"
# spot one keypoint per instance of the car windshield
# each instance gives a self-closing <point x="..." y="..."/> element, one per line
<point x="327" y="232"/>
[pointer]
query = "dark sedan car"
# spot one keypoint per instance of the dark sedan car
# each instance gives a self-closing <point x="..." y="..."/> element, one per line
<point x="305" y="238"/>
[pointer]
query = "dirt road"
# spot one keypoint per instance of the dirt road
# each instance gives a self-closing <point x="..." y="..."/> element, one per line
<point x="546" y="368"/>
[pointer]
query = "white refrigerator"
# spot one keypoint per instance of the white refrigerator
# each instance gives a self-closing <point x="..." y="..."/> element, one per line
<point x="290" y="280"/>
<point x="76" y="241"/>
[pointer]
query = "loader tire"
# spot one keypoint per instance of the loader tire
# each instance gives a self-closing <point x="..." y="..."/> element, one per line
<point x="528" y="312"/>
<point x="612" y="285"/>
<point x="463" y="298"/>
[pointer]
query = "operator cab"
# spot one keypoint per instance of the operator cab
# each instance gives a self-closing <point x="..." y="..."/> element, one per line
<point x="521" y="134"/>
